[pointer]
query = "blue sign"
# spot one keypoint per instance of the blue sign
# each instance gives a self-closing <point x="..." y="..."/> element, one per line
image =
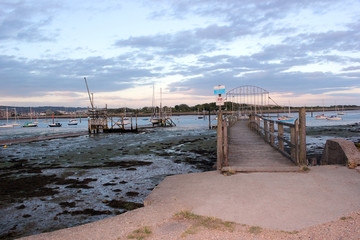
<point x="220" y="89"/>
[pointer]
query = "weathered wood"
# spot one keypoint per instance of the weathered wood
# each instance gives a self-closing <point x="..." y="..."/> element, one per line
<point x="131" y="123"/>
<point x="210" y="120"/>
<point x="293" y="141"/>
<point x="280" y="136"/>
<point x="225" y="143"/>
<point x="257" y="123"/>
<point x="266" y="134"/>
<point x="219" y="142"/>
<point x="249" y="153"/>
<point x="302" y="137"/>
<point x="272" y="138"/>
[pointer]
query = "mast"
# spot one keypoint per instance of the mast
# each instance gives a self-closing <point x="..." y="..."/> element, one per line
<point x="160" y="104"/>
<point x="91" y="100"/>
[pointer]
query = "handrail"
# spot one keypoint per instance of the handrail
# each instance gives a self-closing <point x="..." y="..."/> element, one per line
<point x="296" y="143"/>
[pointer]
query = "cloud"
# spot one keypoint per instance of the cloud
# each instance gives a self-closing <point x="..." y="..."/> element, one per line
<point x="27" y="21"/>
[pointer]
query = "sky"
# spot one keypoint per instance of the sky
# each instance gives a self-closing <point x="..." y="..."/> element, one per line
<point x="306" y="53"/>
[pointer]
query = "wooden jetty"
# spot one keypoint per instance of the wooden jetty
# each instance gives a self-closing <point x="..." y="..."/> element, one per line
<point x="255" y="145"/>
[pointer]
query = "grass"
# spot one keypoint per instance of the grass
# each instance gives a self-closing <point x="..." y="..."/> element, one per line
<point x="255" y="230"/>
<point x="199" y="222"/>
<point x="346" y="218"/>
<point x="305" y="169"/>
<point x="140" y="233"/>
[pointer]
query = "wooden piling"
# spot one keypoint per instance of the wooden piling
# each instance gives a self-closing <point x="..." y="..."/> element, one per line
<point x="266" y="130"/>
<point x="280" y="136"/>
<point x="293" y="141"/>
<point x="136" y="122"/>
<point x="131" y="123"/>
<point x="219" y="142"/>
<point x="209" y="119"/>
<point x="225" y="134"/>
<point x="272" y="138"/>
<point x="302" y="136"/>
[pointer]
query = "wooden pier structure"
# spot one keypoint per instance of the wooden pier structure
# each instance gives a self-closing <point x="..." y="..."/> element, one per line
<point x="256" y="145"/>
<point x="254" y="142"/>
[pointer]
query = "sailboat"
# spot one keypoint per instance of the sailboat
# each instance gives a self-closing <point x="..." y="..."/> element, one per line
<point x="154" y="119"/>
<point x="54" y="124"/>
<point x="334" y="117"/>
<point x="321" y="116"/>
<point x="342" y="111"/>
<point x="15" y="122"/>
<point x="30" y="124"/>
<point x="288" y="117"/>
<point x="7" y="125"/>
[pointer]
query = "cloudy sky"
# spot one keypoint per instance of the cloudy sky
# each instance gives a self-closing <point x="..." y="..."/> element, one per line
<point x="302" y="52"/>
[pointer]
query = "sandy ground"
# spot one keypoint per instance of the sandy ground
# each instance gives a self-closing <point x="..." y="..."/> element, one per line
<point x="320" y="204"/>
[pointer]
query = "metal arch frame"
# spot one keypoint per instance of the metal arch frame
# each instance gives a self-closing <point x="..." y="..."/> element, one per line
<point x="248" y="96"/>
<point x="247" y="86"/>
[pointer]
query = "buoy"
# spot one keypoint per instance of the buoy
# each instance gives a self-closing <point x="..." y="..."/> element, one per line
<point x="5" y="146"/>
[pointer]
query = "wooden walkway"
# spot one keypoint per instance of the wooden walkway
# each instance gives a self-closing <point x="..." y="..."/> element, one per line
<point x="248" y="152"/>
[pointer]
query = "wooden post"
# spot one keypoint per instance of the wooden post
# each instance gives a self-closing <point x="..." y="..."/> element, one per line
<point x="209" y="119"/>
<point x="272" y="137"/>
<point x="292" y="140"/>
<point x="302" y="136"/>
<point x="136" y="122"/>
<point x="225" y="144"/>
<point x="122" y="122"/>
<point x="266" y="130"/>
<point x="280" y="136"/>
<point x="257" y="123"/>
<point x="131" y="122"/>
<point x="219" y="142"/>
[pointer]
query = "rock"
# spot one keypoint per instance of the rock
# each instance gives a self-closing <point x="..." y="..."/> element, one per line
<point x="340" y="151"/>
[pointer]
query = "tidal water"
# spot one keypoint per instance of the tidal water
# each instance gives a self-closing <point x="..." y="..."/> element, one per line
<point x="59" y="183"/>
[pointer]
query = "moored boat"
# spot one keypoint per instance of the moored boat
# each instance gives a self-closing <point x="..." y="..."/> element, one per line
<point x="334" y="117"/>
<point x="73" y="122"/>
<point x="55" y="125"/>
<point x="319" y="117"/>
<point x="30" y="124"/>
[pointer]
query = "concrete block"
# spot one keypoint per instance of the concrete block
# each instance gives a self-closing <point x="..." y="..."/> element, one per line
<point x="340" y="151"/>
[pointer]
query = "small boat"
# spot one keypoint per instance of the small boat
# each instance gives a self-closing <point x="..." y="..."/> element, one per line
<point x="285" y="118"/>
<point x="73" y="122"/>
<point x="334" y="117"/>
<point x="6" y="126"/>
<point x="30" y="124"/>
<point x="55" y="125"/>
<point x="322" y="116"/>
<point x="155" y="120"/>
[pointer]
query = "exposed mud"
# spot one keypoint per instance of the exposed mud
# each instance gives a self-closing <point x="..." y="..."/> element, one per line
<point x="61" y="183"/>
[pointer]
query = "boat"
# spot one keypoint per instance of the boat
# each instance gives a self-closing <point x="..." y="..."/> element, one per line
<point x="154" y="119"/>
<point x="7" y="125"/>
<point x="285" y="118"/>
<point x="73" y="122"/>
<point x="342" y="111"/>
<point x="54" y="124"/>
<point x="15" y="122"/>
<point x="334" y="117"/>
<point x="322" y="116"/>
<point x="30" y="124"/>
